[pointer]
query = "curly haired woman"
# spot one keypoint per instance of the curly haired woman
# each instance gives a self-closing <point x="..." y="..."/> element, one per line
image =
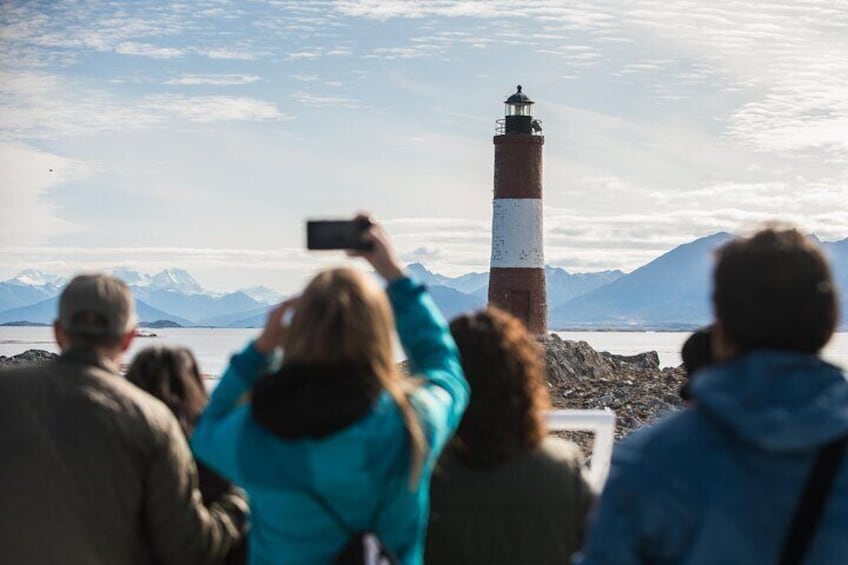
<point x="503" y="492"/>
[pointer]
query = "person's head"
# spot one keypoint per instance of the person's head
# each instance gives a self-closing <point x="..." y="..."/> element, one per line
<point x="697" y="354"/>
<point x="343" y="318"/>
<point x="772" y="290"/>
<point x="505" y="371"/>
<point x="96" y="311"/>
<point x="171" y="375"/>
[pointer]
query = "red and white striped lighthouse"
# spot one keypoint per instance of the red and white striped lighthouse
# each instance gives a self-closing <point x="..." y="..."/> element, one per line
<point x="517" y="274"/>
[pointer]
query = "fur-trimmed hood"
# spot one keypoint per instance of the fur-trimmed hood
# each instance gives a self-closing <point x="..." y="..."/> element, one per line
<point x="313" y="401"/>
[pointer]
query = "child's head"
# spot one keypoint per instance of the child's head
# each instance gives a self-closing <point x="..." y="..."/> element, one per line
<point x="171" y="375"/>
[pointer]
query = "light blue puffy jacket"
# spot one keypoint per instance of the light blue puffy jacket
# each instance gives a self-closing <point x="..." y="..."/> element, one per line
<point x="353" y="468"/>
<point x="719" y="481"/>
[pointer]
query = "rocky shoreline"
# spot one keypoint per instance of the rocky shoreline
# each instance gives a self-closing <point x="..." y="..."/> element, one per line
<point x="635" y="387"/>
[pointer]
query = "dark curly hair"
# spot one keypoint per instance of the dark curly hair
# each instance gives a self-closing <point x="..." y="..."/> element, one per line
<point x="505" y="370"/>
<point x="171" y="375"/>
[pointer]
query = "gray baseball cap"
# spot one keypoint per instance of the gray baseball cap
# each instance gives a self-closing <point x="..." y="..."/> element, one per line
<point x="97" y="305"/>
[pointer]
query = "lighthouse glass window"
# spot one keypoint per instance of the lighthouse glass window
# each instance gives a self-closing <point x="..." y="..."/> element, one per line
<point x="518" y="109"/>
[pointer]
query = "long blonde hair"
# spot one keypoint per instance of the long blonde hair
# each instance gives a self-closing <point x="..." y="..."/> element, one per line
<point x="343" y="317"/>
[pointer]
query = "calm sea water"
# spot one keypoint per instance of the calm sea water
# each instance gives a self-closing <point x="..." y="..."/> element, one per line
<point x="213" y="347"/>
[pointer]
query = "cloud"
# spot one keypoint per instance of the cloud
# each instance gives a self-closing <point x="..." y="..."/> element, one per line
<point x="407" y="52"/>
<point x="298" y="55"/>
<point x="311" y="100"/>
<point x="213" y="108"/>
<point x="230" y="53"/>
<point x="41" y="105"/>
<point x="422" y="254"/>
<point x="27" y="175"/>
<point x="147" y="50"/>
<point x="212" y="80"/>
<point x="785" y="62"/>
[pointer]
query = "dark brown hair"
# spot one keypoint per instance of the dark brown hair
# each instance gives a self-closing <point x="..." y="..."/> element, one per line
<point x="171" y="375"/>
<point x="774" y="290"/>
<point x="505" y="370"/>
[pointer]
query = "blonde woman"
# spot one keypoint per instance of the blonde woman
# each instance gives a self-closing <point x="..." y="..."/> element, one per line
<point x="337" y="440"/>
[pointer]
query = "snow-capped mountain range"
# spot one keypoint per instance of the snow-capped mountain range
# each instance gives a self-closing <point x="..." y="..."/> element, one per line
<point x="670" y="292"/>
<point x="172" y="294"/>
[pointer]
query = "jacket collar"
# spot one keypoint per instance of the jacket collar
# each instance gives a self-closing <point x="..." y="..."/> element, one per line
<point x="88" y="356"/>
<point x="313" y="401"/>
<point x="776" y="400"/>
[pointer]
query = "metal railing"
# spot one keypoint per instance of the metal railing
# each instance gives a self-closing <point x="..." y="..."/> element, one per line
<point x="500" y="127"/>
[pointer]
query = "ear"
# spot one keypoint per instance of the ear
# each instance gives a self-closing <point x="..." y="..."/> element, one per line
<point x="127" y="339"/>
<point x="723" y="347"/>
<point x="60" y="336"/>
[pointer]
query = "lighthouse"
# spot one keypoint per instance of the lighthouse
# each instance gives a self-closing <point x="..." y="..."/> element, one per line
<point x="517" y="274"/>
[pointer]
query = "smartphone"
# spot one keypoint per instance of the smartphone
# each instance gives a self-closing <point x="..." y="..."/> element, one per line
<point x="337" y="234"/>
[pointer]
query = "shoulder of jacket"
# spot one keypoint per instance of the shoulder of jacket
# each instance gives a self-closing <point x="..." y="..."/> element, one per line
<point x="135" y="406"/>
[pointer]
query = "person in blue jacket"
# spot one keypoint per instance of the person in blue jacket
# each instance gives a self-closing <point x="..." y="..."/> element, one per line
<point x="337" y="424"/>
<point x="720" y="481"/>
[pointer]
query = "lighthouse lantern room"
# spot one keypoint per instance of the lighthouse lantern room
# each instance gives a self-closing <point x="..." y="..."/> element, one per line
<point x="518" y="113"/>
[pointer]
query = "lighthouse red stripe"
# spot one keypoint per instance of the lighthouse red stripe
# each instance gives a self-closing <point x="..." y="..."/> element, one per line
<point x="518" y="166"/>
<point x="521" y="292"/>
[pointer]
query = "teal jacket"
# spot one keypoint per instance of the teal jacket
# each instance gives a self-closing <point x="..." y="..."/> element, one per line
<point x="359" y="469"/>
<point x="719" y="481"/>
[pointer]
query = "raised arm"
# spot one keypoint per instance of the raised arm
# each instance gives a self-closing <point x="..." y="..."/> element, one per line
<point x="433" y="357"/>
<point x="427" y="341"/>
<point x="217" y="434"/>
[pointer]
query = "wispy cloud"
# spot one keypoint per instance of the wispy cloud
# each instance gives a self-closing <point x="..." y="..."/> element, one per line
<point x="147" y="50"/>
<point x="212" y="80"/>
<point x="312" y="100"/>
<point x="40" y="105"/>
<point x="213" y="108"/>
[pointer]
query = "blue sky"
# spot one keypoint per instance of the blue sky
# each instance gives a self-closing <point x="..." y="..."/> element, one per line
<point x="202" y="134"/>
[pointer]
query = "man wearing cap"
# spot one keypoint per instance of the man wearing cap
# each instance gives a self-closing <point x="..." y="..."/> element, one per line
<point x="92" y="469"/>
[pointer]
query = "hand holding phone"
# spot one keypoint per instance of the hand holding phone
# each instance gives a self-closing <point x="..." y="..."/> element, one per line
<point x="382" y="254"/>
<point x="338" y="234"/>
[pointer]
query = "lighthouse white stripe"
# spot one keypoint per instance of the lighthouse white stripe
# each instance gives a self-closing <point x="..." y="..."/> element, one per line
<point x="517" y="233"/>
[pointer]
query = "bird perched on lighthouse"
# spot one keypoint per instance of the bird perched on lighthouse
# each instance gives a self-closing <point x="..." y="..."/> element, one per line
<point x="517" y="273"/>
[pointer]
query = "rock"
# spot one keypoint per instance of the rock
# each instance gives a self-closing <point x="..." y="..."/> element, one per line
<point x="634" y="386"/>
<point x="570" y="360"/>
<point x="29" y="357"/>
<point x="644" y="361"/>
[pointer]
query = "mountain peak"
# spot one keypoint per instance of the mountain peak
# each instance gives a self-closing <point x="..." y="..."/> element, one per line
<point x="32" y="277"/>
<point x="176" y="279"/>
<point x="263" y="294"/>
<point x="418" y="269"/>
<point x="131" y="277"/>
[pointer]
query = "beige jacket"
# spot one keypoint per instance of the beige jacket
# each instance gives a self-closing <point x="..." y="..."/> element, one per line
<point x="95" y="471"/>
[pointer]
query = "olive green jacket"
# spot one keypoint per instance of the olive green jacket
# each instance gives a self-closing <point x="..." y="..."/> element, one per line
<point x="530" y="510"/>
<point x="95" y="471"/>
